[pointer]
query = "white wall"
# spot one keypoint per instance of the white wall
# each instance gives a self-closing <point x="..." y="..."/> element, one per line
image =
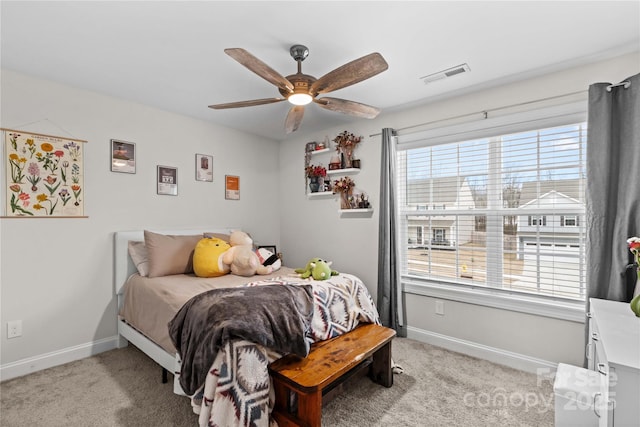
<point x="352" y="242"/>
<point x="57" y="274"/>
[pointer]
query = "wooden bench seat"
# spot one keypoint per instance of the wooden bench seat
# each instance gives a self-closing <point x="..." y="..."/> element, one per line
<point x="299" y="384"/>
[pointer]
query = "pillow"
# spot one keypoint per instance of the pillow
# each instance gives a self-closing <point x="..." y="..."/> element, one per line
<point x="207" y="257"/>
<point x="266" y="258"/>
<point x="140" y="257"/>
<point x="220" y="236"/>
<point x="170" y="254"/>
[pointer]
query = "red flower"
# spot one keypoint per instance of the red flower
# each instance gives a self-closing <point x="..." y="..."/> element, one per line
<point x="316" y="171"/>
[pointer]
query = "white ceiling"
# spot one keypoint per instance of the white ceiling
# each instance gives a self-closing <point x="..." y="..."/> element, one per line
<point x="170" y="54"/>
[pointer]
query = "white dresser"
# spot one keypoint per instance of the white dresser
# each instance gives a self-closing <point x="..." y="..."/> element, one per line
<point x="614" y="350"/>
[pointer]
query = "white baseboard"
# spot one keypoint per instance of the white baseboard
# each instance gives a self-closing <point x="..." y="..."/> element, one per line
<point x="55" y="358"/>
<point x="70" y="354"/>
<point x="492" y="354"/>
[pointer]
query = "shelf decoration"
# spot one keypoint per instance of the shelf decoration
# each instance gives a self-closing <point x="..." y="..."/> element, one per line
<point x="344" y="186"/>
<point x="316" y="175"/>
<point x="345" y="143"/>
<point x="360" y="201"/>
<point x="44" y="175"/>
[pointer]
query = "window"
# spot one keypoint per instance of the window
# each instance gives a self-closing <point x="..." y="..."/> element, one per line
<point x="538" y="220"/>
<point x="510" y="209"/>
<point x="569" y="221"/>
<point x="439" y="236"/>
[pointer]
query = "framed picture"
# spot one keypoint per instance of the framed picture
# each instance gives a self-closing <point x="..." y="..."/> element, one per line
<point x="231" y="187"/>
<point x="270" y="248"/>
<point x="167" y="180"/>
<point x="123" y="156"/>
<point x="204" y="168"/>
<point x="309" y="147"/>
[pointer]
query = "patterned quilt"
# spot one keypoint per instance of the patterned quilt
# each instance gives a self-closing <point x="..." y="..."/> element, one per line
<point x="237" y="389"/>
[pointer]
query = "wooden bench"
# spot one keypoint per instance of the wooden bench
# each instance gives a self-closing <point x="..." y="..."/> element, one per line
<point x="300" y="384"/>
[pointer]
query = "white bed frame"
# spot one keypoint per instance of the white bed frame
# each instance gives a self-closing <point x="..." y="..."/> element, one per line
<point x="123" y="268"/>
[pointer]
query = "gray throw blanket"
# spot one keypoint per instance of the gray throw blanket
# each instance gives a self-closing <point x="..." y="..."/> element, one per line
<point x="274" y="316"/>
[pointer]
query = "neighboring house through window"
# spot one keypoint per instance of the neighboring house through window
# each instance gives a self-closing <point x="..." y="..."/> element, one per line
<point x="506" y="211"/>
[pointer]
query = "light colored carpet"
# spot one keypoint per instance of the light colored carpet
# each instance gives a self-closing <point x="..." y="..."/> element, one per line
<point x="439" y="388"/>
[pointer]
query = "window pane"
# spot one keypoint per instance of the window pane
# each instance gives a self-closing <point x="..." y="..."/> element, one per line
<point x="505" y="212"/>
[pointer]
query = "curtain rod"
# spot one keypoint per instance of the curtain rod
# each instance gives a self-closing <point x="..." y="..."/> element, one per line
<point x="626" y="85"/>
<point x="485" y="113"/>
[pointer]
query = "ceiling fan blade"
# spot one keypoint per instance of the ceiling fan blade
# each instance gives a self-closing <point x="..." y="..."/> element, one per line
<point x="260" y="68"/>
<point x="294" y="118"/>
<point x="352" y="108"/>
<point x="246" y="103"/>
<point x="350" y="73"/>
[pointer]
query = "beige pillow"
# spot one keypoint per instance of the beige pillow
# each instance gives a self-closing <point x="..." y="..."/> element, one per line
<point x="140" y="257"/>
<point x="220" y="236"/>
<point x="170" y="254"/>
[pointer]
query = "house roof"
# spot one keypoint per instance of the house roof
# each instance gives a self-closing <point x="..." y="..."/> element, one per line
<point x="445" y="191"/>
<point x="554" y="199"/>
<point x="570" y="188"/>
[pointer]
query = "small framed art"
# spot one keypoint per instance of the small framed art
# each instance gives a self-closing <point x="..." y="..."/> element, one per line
<point x="231" y="187"/>
<point x="167" y="180"/>
<point x="204" y="168"/>
<point x="310" y="147"/>
<point x="123" y="156"/>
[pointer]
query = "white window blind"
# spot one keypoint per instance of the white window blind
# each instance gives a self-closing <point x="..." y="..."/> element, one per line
<point x="504" y="212"/>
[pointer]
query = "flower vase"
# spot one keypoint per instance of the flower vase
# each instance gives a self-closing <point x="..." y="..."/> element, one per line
<point x="348" y="155"/>
<point x="314" y="184"/>
<point x="636" y="290"/>
<point x="344" y="200"/>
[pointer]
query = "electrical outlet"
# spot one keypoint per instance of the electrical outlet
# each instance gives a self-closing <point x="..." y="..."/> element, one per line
<point x="14" y="328"/>
<point x="440" y="307"/>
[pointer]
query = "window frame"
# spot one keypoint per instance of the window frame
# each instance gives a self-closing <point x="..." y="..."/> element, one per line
<point x="548" y="306"/>
<point x="574" y="218"/>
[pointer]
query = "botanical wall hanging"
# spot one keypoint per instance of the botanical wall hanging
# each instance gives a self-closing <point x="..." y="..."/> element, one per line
<point x="44" y="175"/>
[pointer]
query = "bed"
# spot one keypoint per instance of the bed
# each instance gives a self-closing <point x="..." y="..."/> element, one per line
<point x="235" y="390"/>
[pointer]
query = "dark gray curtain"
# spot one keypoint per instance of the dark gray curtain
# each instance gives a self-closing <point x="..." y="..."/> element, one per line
<point x="389" y="297"/>
<point x="613" y="187"/>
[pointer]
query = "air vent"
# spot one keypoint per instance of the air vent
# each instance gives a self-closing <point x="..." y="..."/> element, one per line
<point x="453" y="71"/>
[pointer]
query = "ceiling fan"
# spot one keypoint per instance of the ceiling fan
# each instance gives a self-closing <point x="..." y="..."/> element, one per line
<point x="301" y="89"/>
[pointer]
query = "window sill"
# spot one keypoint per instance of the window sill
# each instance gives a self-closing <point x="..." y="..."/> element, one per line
<point x="558" y="309"/>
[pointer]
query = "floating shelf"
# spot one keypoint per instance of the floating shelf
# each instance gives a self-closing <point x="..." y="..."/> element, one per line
<point x="333" y="174"/>
<point x="320" y="194"/>
<point x="347" y="171"/>
<point x="313" y="153"/>
<point x="356" y="210"/>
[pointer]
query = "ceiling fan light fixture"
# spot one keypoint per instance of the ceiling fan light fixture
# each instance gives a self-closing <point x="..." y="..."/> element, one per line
<point x="300" y="98"/>
<point x="301" y="89"/>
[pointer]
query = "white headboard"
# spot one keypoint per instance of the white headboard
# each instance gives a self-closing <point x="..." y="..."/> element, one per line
<point x="124" y="266"/>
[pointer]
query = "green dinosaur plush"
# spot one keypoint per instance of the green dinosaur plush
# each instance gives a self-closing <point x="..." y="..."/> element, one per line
<point x="318" y="269"/>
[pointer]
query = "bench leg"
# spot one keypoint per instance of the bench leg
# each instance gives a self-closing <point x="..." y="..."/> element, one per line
<point x="381" y="367"/>
<point x="310" y="408"/>
<point x="308" y="411"/>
